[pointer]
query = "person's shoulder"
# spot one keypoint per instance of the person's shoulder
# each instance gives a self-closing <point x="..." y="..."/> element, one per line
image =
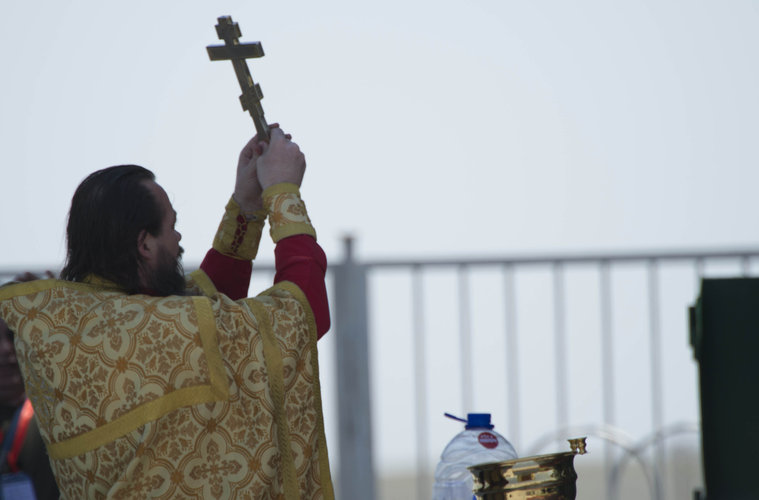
<point x="13" y="289"/>
<point x="18" y="288"/>
<point x="284" y="296"/>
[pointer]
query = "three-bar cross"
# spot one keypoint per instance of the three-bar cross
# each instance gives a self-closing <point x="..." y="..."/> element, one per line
<point x="237" y="52"/>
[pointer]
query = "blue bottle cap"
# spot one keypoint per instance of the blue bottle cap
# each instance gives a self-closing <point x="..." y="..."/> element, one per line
<point x="478" y="421"/>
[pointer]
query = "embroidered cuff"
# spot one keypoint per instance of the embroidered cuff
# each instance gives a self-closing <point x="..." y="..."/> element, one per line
<point x="239" y="234"/>
<point x="287" y="212"/>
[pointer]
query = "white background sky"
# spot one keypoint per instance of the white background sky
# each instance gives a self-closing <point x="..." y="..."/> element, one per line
<point x="430" y="127"/>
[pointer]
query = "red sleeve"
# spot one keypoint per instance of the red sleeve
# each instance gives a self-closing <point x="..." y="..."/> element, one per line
<point x="230" y="276"/>
<point x="301" y="260"/>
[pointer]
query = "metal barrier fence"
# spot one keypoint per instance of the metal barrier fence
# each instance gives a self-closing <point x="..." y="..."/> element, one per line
<point x="665" y="284"/>
<point x="417" y="331"/>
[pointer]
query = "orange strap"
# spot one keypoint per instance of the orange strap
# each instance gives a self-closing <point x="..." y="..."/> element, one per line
<point x="27" y="412"/>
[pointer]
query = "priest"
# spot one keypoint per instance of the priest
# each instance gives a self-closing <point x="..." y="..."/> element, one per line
<point x="149" y="383"/>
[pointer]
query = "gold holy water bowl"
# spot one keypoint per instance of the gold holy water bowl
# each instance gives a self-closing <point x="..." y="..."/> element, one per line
<point x="541" y="477"/>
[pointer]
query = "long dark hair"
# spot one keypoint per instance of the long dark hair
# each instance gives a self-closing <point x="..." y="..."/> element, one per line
<point x="109" y="209"/>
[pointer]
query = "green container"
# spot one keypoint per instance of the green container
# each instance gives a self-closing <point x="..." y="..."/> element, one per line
<point x="724" y="333"/>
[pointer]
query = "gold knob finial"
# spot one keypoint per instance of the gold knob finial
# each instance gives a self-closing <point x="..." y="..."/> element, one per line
<point x="578" y="445"/>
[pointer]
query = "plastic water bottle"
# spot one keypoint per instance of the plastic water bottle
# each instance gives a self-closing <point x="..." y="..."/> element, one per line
<point x="477" y="444"/>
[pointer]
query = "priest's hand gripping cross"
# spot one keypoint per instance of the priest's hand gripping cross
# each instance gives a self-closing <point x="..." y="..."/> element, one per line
<point x="237" y="52"/>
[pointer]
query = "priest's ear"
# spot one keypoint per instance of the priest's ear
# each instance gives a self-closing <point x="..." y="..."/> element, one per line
<point x="147" y="247"/>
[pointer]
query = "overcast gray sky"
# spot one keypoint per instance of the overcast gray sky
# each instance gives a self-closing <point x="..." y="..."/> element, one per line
<point x="475" y="127"/>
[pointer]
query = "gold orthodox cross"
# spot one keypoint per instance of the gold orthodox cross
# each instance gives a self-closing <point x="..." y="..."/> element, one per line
<point x="237" y="52"/>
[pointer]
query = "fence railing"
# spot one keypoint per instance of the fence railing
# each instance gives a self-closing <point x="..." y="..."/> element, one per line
<point x="665" y="283"/>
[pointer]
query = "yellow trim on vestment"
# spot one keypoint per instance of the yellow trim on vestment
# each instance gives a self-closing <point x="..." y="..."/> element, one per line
<point x="207" y="331"/>
<point x="131" y="420"/>
<point x="292" y="230"/>
<point x="324" y="473"/>
<point x="204" y="282"/>
<point x="16" y="289"/>
<point x="274" y="367"/>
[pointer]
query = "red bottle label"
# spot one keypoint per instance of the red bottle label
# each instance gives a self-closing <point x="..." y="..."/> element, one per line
<point x="488" y="440"/>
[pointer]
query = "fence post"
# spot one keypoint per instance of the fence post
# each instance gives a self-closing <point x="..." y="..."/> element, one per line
<point x="356" y="469"/>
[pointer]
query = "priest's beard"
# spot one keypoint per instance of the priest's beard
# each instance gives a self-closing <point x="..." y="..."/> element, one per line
<point x="168" y="277"/>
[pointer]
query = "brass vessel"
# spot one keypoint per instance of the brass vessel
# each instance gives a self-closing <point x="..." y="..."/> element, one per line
<point x="541" y="477"/>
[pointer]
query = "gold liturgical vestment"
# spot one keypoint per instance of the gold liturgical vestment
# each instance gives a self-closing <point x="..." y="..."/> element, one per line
<point x="172" y="397"/>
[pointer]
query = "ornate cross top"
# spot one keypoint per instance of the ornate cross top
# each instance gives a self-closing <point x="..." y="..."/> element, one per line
<point x="237" y="52"/>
